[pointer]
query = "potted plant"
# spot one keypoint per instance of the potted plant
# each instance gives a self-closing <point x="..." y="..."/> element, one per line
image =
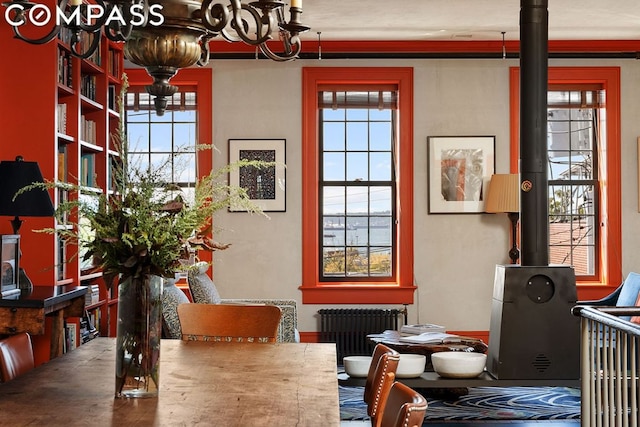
<point x="139" y="235"/>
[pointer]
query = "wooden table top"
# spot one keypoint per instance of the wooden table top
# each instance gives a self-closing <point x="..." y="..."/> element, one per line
<point x="284" y="384"/>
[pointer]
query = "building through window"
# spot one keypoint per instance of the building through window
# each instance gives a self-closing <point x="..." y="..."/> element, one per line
<point x="574" y="143"/>
<point x="583" y="146"/>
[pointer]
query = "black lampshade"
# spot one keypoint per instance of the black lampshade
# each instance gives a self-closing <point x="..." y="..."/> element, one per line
<point x="15" y="175"/>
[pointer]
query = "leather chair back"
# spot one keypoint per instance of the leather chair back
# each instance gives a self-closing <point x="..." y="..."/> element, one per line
<point x="382" y="373"/>
<point x="16" y="356"/>
<point x="404" y="407"/>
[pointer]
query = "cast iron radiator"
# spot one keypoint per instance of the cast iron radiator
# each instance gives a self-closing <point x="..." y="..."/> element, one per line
<point x="349" y="327"/>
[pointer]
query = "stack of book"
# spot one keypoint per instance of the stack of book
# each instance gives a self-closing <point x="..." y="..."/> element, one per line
<point x="431" y="338"/>
<point x="93" y="295"/>
<point x="419" y="329"/>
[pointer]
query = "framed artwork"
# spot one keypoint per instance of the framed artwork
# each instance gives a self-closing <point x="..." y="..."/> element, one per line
<point x="266" y="186"/>
<point x="460" y="168"/>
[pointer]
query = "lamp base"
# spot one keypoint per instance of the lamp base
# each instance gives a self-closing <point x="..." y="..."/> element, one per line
<point x="514" y="252"/>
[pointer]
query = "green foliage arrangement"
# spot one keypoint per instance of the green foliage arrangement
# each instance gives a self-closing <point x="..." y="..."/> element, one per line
<point x="146" y="227"/>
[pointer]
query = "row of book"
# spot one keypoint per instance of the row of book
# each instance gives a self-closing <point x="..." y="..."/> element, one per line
<point x="88" y="84"/>
<point x="86" y="333"/>
<point x="65" y="75"/>
<point x="87" y="168"/>
<point x="61" y="115"/>
<point x="88" y="131"/>
<point x="113" y="64"/>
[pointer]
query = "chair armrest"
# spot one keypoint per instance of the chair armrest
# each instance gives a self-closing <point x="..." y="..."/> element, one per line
<point x="609" y="300"/>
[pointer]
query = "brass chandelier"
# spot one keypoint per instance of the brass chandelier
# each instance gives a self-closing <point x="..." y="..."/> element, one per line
<point x="161" y="35"/>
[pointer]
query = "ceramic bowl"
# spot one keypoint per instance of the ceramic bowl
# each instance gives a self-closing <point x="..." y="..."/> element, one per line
<point x="357" y="366"/>
<point x="411" y="365"/>
<point x="458" y="364"/>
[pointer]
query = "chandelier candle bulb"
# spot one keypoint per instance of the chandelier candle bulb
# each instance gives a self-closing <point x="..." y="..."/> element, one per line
<point x="75" y="2"/>
<point x="296" y="3"/>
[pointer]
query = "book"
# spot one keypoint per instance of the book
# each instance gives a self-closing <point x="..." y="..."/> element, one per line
<point x="419" y="329"/>
<point x="431" y="338"/>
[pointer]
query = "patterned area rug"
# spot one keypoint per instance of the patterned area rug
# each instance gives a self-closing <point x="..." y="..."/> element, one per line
<point x="484" y="403"/>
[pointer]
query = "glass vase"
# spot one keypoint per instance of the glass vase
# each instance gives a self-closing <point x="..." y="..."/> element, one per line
<point x="138" y="337"/>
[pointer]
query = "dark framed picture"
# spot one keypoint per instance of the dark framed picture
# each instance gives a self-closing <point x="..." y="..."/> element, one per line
<point x="266" y="187"/>
<point x="10" y="257"/>
<point x="460" y="168"/>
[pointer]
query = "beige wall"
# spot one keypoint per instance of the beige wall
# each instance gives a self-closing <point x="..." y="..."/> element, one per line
<point x="455" y="255"/>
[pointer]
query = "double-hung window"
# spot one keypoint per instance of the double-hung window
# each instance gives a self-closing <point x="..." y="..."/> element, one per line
<point x="583" y="146"/>
<point x="357" y="180"/>
<point x="169" y="142"/>
<point x="357" y="185"/>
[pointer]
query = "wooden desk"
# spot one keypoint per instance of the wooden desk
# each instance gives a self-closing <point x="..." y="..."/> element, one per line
<point x="200" y="383"/>
<point x="26" y="312"/>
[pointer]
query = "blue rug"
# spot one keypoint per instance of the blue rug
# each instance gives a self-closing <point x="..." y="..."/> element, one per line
<point x="484" y="403"/>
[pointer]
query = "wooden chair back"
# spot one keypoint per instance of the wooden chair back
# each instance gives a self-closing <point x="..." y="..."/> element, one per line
<point x="16" y="356"/>
<point x="382" y="374"/>
<point x="229" y="322"/>
<point x="404" y="407"/>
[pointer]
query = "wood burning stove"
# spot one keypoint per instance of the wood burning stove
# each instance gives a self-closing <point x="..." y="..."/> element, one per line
<point x="533" y="334"/>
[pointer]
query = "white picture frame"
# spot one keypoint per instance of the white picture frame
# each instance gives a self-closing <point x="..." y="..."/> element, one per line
<point x="459" y="171"/>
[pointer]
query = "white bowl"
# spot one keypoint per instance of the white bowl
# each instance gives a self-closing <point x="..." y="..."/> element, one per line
<point x="411" y="365"/>
<point x="458" y="364"/>
<point x="357" y="366"/>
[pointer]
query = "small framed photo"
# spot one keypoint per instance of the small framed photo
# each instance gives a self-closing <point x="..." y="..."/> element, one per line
<point x="10" y="258"/>
<point x="460" y="168"/>
<point x="266" y="187"/>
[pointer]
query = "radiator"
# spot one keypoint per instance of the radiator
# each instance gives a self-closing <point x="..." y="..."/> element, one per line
<point x="349" y="327"/>
<point x="610" y="367"/>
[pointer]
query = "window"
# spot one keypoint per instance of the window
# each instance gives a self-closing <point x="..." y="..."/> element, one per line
<point x="574" y="143"/>
<point x="583" y="144"/>
<point x="357" y="186"/>
<point x="357" y="134"/>
<point x="166" y="142"/>
<point x="171" y="139"/>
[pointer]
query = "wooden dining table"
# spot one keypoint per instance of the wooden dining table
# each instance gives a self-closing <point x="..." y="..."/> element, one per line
<point x="201" y="383"/>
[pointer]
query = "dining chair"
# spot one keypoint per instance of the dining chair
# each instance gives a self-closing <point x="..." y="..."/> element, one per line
<point x="16" y="356"/>
<point x="382" y="373"/>
<point x="404" y="407"/>
<point x="229" y="322"/>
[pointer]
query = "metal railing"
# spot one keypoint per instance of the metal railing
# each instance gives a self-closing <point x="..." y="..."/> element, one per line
<point x="609" y="366"/>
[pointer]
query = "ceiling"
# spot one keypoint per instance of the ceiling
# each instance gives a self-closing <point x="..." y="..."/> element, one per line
<point x="466" y="20"/>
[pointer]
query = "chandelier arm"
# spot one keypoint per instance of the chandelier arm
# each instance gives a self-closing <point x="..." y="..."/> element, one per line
<point x="214" y="16"/>
<point x="42" y="40"/>
<point x="204" y="51"/>
<point x="238" y="24"/>
<point x="291" y="52"/>
<point x="91" y="28"/>
<point x="95" y="42"/>
<point x="117" y="32"/>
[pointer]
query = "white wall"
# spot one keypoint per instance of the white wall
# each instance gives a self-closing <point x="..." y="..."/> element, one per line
<point x="455" y="255"/>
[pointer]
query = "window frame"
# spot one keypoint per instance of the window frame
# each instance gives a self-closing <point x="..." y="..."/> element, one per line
<point x="200" y="81"/>
<point x="401" y="289"/>
<point x="610" y="269"/>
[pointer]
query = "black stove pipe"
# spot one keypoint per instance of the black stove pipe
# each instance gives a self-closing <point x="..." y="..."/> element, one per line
<point x="534" y="205"/>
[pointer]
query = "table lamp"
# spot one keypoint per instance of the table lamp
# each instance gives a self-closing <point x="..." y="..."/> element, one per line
<point x="504" y="197"/>
<point x="15" y="175"/>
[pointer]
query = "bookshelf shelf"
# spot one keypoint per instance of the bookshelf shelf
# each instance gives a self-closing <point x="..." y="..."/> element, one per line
<point x="59" y="111"/>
